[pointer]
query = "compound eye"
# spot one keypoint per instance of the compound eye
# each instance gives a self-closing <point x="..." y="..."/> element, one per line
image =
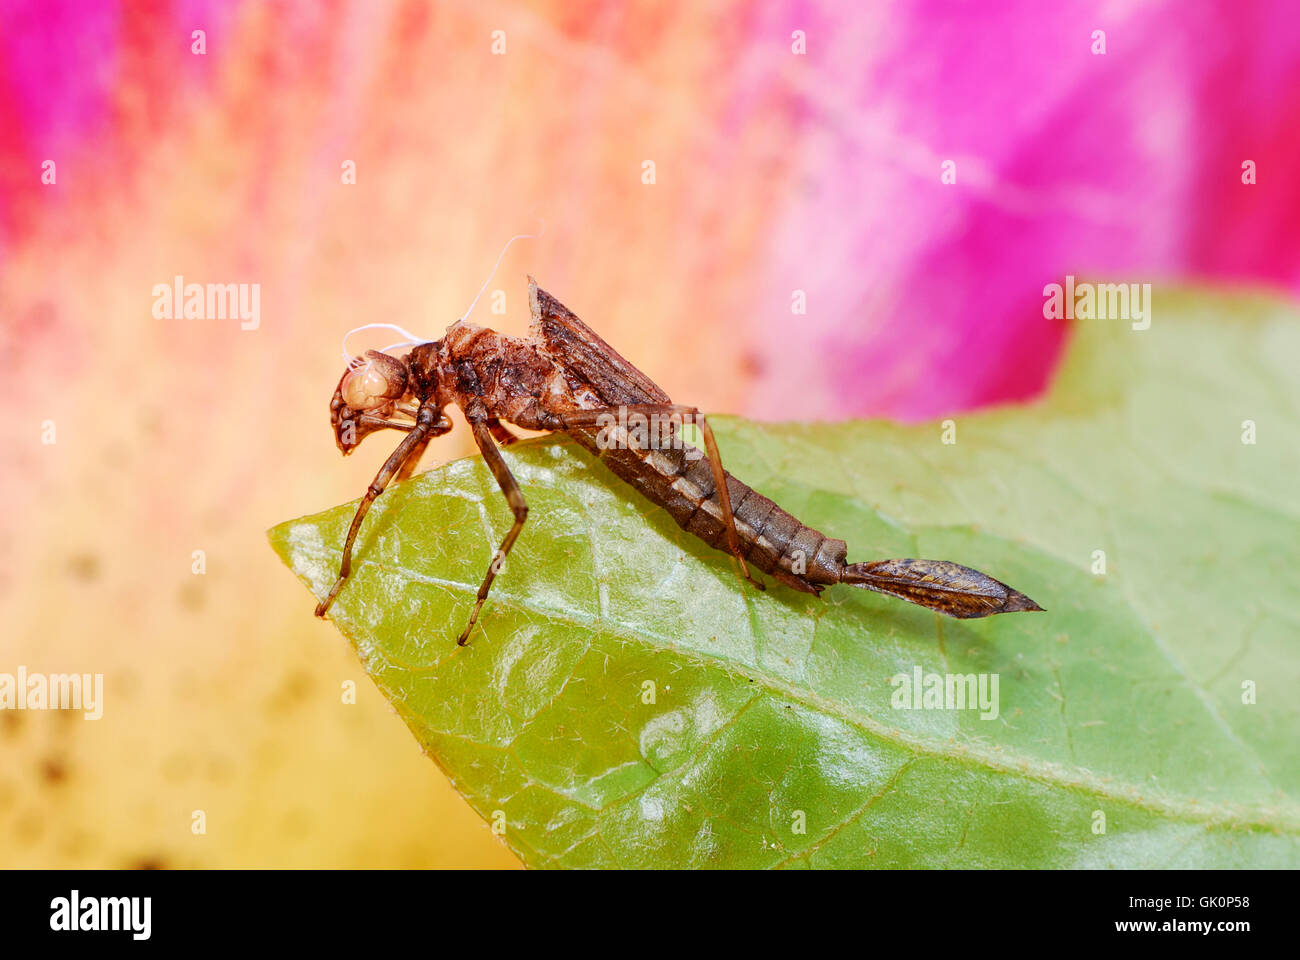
<point x="377" y="380"/>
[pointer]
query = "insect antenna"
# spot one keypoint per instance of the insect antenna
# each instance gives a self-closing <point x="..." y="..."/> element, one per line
<point x="502" y="256"/>
<point x="413" y="340"/>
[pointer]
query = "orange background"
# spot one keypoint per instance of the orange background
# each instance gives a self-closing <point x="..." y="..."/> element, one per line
<point x="773" y="172"/>
<point x="222" y="690"/>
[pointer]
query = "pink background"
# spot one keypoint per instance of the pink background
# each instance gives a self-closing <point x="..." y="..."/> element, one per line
<point x="775" y="172"/>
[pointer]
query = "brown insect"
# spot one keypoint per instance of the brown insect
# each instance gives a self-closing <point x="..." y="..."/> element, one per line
<point x="562" y="376"/>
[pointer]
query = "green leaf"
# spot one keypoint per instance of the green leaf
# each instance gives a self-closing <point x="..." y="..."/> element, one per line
<point x="772" y="738"/>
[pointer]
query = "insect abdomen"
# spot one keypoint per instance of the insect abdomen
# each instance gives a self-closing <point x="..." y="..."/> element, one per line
<point x="773" y="540"/>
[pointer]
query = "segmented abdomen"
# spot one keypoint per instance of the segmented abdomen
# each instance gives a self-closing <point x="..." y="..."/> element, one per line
<point x="771" y="539"/>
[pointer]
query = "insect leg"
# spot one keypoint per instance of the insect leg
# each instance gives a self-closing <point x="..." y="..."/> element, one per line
<point x="438" y="429"/>
<point x="592" y="418"/>
<point x="514" y="496"/>
<point x="410" y="463"/>
<point x="418" y="436"/>
<point x="364" y="424"/>
<point x="503" y="434"/>
<point x="379" y="423"/>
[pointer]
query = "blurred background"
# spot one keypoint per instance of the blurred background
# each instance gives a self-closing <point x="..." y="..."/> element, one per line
<point x="797" y="148"/>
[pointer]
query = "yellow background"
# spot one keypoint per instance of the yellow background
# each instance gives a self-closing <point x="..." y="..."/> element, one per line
<point x="223" y="693"/>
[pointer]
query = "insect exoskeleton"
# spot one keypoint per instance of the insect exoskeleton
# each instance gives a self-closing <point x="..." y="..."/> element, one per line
<point x="563" y="376"/>
<point x="375" y="382"/>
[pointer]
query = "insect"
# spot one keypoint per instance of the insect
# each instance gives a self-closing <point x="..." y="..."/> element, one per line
<point x="564" y="377"/>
